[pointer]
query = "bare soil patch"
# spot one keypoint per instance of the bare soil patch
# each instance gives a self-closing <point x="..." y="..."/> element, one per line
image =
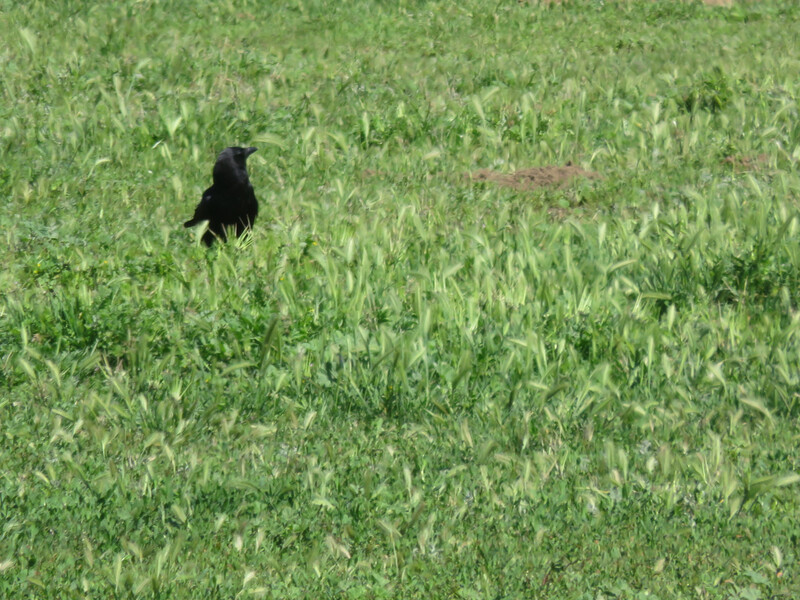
<point x="534" y="177"/>
<point x="746" y="163"/>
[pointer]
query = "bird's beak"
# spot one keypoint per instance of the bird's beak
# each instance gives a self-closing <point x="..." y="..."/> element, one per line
<point x="249" y="151"/>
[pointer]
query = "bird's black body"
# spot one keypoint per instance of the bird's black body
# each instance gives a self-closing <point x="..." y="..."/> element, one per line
<point x="230" y="201"/>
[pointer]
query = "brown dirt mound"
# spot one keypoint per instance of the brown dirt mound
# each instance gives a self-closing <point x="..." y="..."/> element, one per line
<point x="534" y="177"/>
<point x="746" y="163"/>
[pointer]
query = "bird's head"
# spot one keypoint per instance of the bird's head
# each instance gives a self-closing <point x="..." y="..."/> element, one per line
<point x="231" y="161"/>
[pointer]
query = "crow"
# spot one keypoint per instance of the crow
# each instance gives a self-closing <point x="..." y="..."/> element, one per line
<point x="230" y="201"/>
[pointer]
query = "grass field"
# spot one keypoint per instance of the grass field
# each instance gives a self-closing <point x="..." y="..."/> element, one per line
<point x="409" y="382"/>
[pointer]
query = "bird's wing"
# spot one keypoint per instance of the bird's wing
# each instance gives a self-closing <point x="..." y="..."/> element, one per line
<point x="204" y="211"/>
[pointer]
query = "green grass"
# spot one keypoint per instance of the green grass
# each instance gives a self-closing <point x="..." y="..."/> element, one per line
<point x="403" y="385"/>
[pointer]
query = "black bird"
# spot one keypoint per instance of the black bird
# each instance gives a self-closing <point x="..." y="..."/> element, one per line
<point x="230" y="201"/>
